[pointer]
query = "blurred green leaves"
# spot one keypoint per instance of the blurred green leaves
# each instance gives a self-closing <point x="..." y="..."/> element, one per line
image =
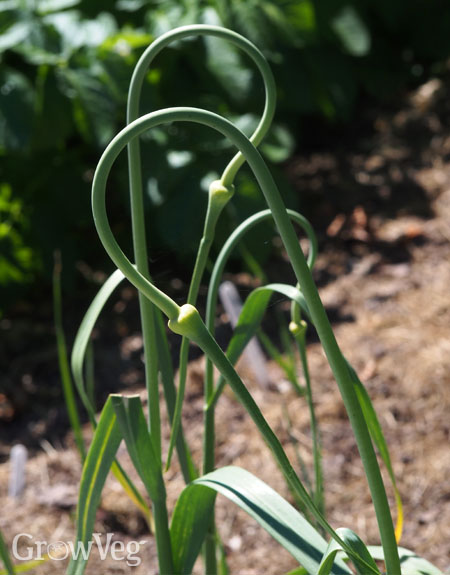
<point x="16" y="257"/>
<point x="65" y="67"/>
<point x="16" y="110"/>
<point x="352" y="31"/>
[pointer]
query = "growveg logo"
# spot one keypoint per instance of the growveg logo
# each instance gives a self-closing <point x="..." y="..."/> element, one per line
<point x="40" y="550"/>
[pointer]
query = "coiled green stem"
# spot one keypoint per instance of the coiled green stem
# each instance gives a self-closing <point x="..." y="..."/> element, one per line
<point x="303" y="275"/>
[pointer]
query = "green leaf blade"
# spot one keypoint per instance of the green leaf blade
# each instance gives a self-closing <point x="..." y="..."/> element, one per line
<point x="83" y="336"/>
<point x="253" y="311"/>
<point x="133" y="425"/>
<point x="273" y="513"/>
<point x="100" y="457"/>
<point x="378" y="438"/>
<point x="250" y="318"/>
<point x="190" y="522"/>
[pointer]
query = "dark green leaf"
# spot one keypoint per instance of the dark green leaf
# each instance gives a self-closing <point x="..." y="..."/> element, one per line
<point x="77" y="32"/>
<point x="53" y="117"/>
<point x="352" y="31"/>
<point x="225" y="62"/>
<point x="16" y="110"/>
<point x="7" y="5"/>
<point x="94" y="108"/>
<point x="279" y="144"/>
<point x="131" y="5"/>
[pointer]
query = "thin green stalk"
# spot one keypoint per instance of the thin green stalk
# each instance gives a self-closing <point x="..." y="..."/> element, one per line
<point x="209" y="444"/>
<point x="232" y="242"/>
<point x="162" y="534"/>
<point x="90" y="378"/>
<point x="219" y="196"/>
<point x="138" y="223"/>
<point x="289" y="350"/>
<point x="299" y="331"/>
<point x="146" y="306"/>
<point x="210" y="548"/>
<point x="165" y="361"/>
<point x="64" y="369"/>
<point x="302" y="272"/>
<point x="301" y="464"/>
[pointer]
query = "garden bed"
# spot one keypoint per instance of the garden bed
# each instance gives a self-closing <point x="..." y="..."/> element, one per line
<point x="380" y="198"/>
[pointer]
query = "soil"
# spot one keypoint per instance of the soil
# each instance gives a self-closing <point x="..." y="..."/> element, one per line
<point x="379" y="196"/>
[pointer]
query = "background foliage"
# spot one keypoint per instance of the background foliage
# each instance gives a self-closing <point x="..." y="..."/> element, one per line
<point x="64" y="75"/>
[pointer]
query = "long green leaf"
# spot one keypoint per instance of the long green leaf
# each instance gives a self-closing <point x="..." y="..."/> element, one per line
<point x="83" y="336"/>
<point x="134" y="429"/>
<point x="191" y="520"/>
<point x="100" y="457"/>
<point x="250" y="319"/>
<point x="253" y="311"/>
<point x="355" y="543"/>
<point x="261" y="502"/>
<point x="376" y="433"/>
<point x="411" y="563"/>
<point x="79" y="353"/>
